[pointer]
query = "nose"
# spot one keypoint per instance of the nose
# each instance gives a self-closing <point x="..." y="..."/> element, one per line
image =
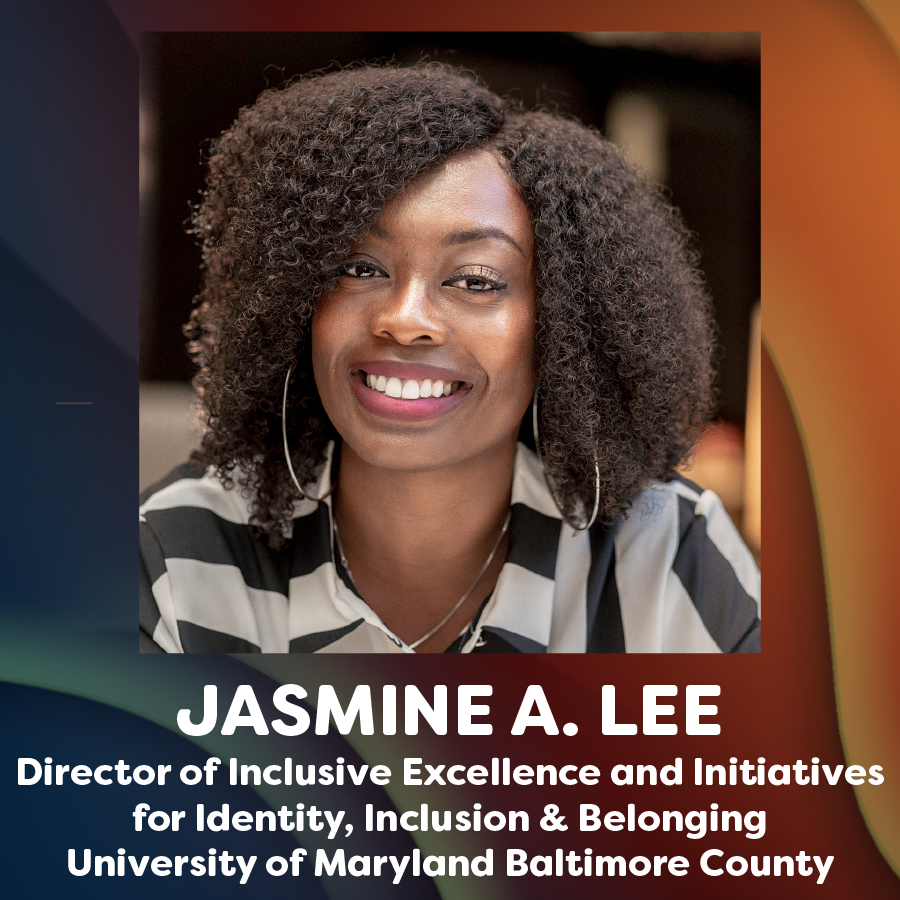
<point x="408" y="315"/>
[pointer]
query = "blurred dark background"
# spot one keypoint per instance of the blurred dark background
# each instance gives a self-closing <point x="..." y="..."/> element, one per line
<point x="684" y="106"/>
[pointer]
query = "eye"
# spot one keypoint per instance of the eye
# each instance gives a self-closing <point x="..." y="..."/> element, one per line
<point x="479" y="280"/>
<point x="360" y="268"/>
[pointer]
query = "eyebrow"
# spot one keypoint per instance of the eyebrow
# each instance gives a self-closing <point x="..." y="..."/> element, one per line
<point x="461" y="236"/>
<point x="464" y="236"/>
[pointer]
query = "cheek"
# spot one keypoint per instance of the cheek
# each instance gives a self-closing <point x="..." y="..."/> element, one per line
<point x="512" y="352"/>
<point x="519" y="345"/>
<point x="317" y="346"/>
<point x="324" y="340"/>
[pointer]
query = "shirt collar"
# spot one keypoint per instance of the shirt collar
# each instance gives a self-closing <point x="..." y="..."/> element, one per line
<point x="520" y="608"/>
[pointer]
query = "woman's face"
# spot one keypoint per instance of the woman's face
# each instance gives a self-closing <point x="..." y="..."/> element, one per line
<point x="424" y="353"/>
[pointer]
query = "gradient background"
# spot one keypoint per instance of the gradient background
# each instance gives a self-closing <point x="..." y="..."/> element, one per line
<point x="827" y="685"/>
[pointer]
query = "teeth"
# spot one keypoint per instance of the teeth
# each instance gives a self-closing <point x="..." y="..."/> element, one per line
<point x="409" y="389"/>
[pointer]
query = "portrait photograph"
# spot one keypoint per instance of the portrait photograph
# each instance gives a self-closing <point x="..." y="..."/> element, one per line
<point x="449" y="343"/>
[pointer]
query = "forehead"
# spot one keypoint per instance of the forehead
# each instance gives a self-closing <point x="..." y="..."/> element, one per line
<point x="469" y="191"/>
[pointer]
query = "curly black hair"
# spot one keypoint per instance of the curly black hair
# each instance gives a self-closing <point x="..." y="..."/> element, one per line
<point x="624" y="336"/>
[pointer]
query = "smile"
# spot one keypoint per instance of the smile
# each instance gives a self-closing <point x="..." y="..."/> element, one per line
<point x="410" y="389"/>
<point x="387" y="391"/>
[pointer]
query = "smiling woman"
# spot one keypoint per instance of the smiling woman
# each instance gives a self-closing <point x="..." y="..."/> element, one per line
<point x="401" y="272"/>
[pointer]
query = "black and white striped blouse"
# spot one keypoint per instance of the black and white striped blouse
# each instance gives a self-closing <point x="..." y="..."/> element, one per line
<point x="672" y="577"/>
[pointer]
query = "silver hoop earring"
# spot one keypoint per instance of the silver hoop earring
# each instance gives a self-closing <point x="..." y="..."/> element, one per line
<point x="540" y="456"/>
<point x="287" y="452"/>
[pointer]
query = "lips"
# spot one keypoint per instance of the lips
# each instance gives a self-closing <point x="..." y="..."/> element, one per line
<point x="407" y="391"/>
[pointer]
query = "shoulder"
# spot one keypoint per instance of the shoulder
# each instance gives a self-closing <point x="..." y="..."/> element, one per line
<point x="209" y="582"/>
<point x="189" y="521"/>
<point x="190" y="487"/>
<point x="686" y="580"/>
<point x="190" y="527"/>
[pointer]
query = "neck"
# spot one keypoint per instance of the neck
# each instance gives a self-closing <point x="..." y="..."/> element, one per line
<point x="416" y="540"/>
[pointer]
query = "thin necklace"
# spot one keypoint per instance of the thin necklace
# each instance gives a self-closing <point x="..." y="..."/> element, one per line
<point x="461" y="600"/>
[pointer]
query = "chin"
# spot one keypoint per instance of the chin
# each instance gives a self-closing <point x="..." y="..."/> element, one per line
<point x="408" y="454"/>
